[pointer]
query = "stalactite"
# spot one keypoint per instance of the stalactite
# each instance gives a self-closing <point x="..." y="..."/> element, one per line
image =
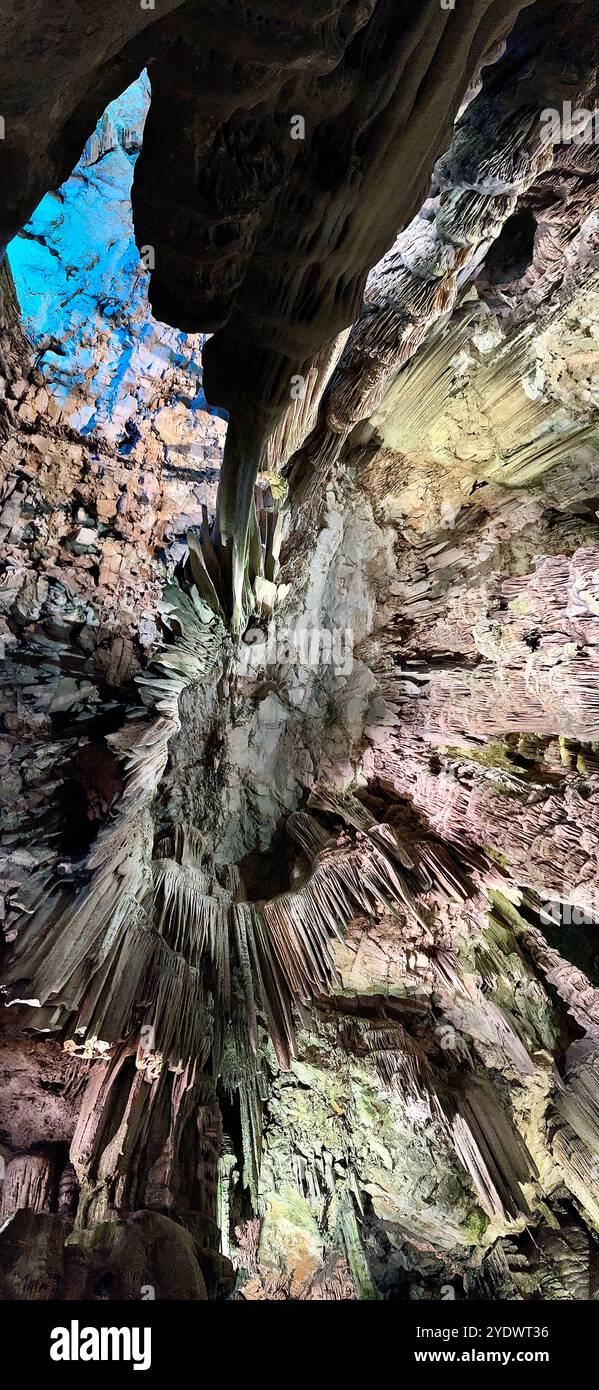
<point x="27" y="1183"/>
<point x="492" y="1153"/>
<point x="575" y="1138"/>
<point x="498" y="150"/>
<point x="578" y="994"/>
<point x="241" y="1076"/>
<point x="103" y="955"/>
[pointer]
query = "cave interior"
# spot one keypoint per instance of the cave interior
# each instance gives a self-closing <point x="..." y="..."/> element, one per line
<point x="299" y="626"/>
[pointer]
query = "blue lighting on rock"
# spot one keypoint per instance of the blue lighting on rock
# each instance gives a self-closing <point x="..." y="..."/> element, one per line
<point x="83" y="288"/>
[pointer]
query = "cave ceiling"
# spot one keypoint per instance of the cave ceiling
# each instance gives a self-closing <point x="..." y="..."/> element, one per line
<point x="299" y="605"/>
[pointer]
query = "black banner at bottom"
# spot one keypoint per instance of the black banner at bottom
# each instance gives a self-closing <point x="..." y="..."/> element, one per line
<point x="149" y="1338"/>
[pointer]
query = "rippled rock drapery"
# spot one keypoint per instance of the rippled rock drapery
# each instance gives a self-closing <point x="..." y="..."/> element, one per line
<point x="500" y="150"/>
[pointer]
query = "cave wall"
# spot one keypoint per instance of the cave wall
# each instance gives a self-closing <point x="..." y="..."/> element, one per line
<point x="287" y="979"/>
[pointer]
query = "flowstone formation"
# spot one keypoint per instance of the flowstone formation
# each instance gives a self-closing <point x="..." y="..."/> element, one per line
<point x="300" y="621"/>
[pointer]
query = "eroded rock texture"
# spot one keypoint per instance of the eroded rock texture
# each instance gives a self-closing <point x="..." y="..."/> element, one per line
<point x="260" y="235"/>
<point x="300" y="822"/>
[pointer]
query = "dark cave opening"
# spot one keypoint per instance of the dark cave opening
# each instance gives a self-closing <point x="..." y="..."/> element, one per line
<point x="512" y="252"/>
